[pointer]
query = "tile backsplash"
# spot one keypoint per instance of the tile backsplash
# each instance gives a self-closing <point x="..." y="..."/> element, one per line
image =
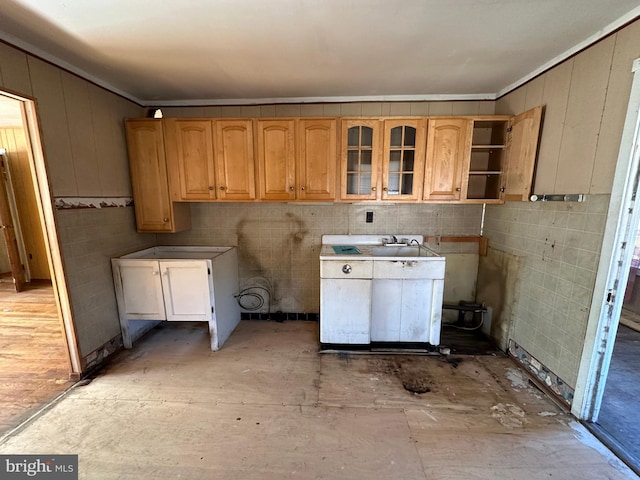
<point x="558" y="244"/>
<point x="281" y="242"/>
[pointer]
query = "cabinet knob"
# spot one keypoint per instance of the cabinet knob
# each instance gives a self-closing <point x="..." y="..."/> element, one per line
<point x="155" y="272"/>
<point x="211" y="187"/>
<point x="458" y="189"/>
<point x="502" y="189"/>
<point x="385" y="189"/>
<point x="222" y="187"/>
<point x="301" y="188"/>
<point x="165" y="219"/>
<point x="346" y="268"/>
<point x="373" y="189"/>
<point x="292" y="188"/>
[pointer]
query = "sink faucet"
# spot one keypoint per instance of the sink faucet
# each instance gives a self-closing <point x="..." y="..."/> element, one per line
<point x="394" y="239"/>
<point x="414" y="240"/>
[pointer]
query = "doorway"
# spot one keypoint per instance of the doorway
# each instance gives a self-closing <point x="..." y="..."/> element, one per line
<point x="39" y="354"/>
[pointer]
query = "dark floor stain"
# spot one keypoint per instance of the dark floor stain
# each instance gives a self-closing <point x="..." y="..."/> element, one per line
<point x="453" y="361"/>
<point x="411" y="371"/>
<point x="416" y="385"/>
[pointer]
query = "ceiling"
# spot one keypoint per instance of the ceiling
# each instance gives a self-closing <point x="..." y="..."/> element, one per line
<point x="197" y="52"/>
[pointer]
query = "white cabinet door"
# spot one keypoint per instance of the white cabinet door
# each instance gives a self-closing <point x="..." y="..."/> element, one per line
<point x="386" y="309"/>
<point x="141" y="290"/>
<point x="415" y="317"/>
<point x="186" y="290"/>
<point x="405" y="311"/>
<point x="345" y="309"/>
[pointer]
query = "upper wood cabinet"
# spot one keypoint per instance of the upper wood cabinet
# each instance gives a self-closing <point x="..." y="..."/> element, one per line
<point x="360" y="156"/>
<point x="153" y="207"/>
<point x="317" y="154"/>
<point x="502" y="159"/>
<point x="190" y="159"/>
<point x="275" y="140"/>
<point x="403" y="160"/>
<point x="448" y="144"/>
<point x="234" y="160"/>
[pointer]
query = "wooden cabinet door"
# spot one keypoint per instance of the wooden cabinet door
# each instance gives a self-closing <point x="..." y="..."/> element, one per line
<point x="185" y="285"/>
<point x="189" y="149"/>
<point x="403" y="162"/>
<point x="234" y="160"/>
<point x="276" y="159"/>
<point x="522" y="147"/>
<point x="360" y="153"/>
<point x="153" y="207"/>
<point x="448" y="144"/>
<point x="317" y="150"/>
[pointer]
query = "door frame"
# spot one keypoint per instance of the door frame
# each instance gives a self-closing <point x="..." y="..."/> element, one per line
<point x="45" y="204"/>
<point x="613" y="268"/>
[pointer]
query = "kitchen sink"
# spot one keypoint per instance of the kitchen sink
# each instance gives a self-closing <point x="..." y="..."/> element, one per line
<point x="403" y="251"/>
<point x="372" y="291"/>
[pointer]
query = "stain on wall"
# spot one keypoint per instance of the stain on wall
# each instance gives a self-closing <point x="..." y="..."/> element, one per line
<point x="499" y="276"/>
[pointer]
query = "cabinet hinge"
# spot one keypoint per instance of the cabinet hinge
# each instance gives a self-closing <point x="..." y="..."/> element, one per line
<point x="509" y="128"/>
<point x="208" y="271"/>
<point x="211" y="309"/>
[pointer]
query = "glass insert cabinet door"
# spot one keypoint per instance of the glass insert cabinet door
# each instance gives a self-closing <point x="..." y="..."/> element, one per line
<point x="360" y="152"/>
<point x="403" y="164"/>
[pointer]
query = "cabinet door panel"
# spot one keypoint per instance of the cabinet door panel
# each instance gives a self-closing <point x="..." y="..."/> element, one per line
<point x="189" y="147"/>
<point x="145" y="143"/>
<point x="415" y="317"/>
<point x="141" y="290"/>
<point x="186" y="290"/>
<point x="317" y="144"/>
<point x="386" y="309"/>
<point x="345" y="309"/>
<point x="276" y="159"/>
<point x="403" y="163"/>
<point x="521" y="154"/>
<point x="234" y="165"/>
<point x="448" y="146"/>
<point x="360" y="149"/>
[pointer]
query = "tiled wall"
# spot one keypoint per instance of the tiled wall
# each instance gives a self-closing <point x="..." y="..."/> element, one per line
<point x="281" y="242"/>
<point x="558" y="245"/>
<point x="89" y="238"/>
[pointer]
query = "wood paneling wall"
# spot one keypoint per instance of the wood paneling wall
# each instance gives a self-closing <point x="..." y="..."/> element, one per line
<point x="15" y="142"/>
<point x="81" y="125"/>
<point x="585" y="101"/>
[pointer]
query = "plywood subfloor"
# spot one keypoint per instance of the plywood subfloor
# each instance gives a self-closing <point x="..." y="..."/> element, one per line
<point x="268" y="405"/>
<point x="33" y="361"/>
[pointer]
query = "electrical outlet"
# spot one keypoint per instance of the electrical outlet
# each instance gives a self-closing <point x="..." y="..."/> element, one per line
<point x="369" y="217"/>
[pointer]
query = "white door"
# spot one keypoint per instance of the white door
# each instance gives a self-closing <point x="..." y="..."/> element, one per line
<point x="386" y="307"/>
<point x="186" y="290"/>
<point x="415" y="319"/>
<point x="141" y="290"/>
<point x="345" y="309"/>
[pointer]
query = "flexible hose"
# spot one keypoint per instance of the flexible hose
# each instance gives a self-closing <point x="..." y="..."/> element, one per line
<point x="248" y="292"/>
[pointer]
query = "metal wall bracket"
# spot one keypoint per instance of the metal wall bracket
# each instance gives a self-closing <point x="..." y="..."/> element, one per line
<point x="578" y="197"/>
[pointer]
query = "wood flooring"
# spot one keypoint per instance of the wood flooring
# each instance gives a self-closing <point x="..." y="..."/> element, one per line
<point x="34" y="366"/>
<point x="268" y="406"/>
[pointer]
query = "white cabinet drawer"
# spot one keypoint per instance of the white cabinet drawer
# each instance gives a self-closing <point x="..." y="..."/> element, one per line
<point x="346" y="269"/>
<point x="408" y="269"/>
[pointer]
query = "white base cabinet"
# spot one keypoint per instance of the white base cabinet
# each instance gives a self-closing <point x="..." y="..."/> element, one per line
<point x="373" y="295"/>
<point x="195" y="284"/>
